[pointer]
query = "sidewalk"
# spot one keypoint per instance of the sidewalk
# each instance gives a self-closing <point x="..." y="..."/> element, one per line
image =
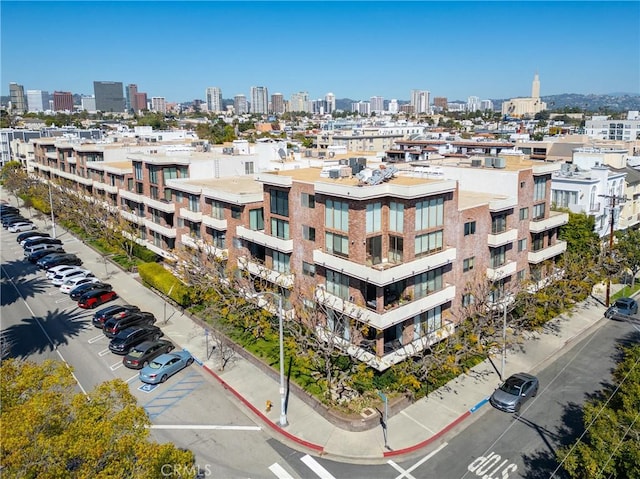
<point x="413" y="428"/>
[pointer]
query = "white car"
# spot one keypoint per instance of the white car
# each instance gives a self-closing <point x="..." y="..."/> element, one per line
<point x="51" y="272"/>
<point x="22" y="243"/>
<point x="69" y="284"/>
<point x="60" y="278"/>
<point x="22" y="226"/>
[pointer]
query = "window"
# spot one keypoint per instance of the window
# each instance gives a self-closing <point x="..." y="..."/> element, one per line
<point x="498" y="256"/>
<point x="427" y="322"/>
<point x="524" y="214"/>
<point x="522" y="244"/>
<point x="428" y="282"/>
<point x="130" y="184"/>
<point x="167" y="194"/>
<point x="521" y="275"/>
<point x="218" y="238"/>
<point x="217" y="210"/>
<point x="184" y="171"/>
<point x="281" y="262"/>
<point x="178" y="196"/>
<point x="307" y="200"/>
<point x="337" y="244"/>
<point x="538" y="211"/>
<point x="338" y="284"/>
<point x="169" y="173"/>
<point x="308" y="233"/>
<point x="429" y="213"/>
<point x="153" y="192"/>
<point x="137" y="169"/>
<point x="537" y="241"/>
<point x="194" y="203"/>
<point x="337" y="215"/>
<point x="248" y="168"/>
<point x="469" y="228"/>
<point x="308" y="269"/>
<point x="374" y="250"/>
<point x="468" y="264"/>
<point x="396" y="217"/>
<point x="564" y="198"/>
<point x="374" y="217"/>
<point x="280" y="228"/>
<point x="279" y="201"/>
<point x="498" y="224"/>
<point x="468" y="299"/>
<point x="236" y="212"/>
<point x="429" y="243"/>
<point x="194" y="229"/>
<point x="139" y="188"/>
<point x="539" y="188"/>
<point x="256" y="219"/>
<point x="153" y="174"/>
<point x="396" y="246"/>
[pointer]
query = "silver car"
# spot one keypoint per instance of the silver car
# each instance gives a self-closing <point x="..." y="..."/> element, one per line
<point x="514" y="392"/>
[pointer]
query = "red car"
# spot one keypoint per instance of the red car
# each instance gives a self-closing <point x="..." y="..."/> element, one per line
<point x="95" y="298"/>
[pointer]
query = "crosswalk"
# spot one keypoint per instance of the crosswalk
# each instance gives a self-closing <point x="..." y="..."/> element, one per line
<point x="308" y="461"/>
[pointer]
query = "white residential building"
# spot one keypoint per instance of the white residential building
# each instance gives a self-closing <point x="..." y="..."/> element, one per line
<point x="213" y="94"/>
<point x="259" y="99"/>
<point x="601" y="127"/>
<point x="37" y="100"/>
<point x="158" y="104"/>
<point x="420" y="101"/>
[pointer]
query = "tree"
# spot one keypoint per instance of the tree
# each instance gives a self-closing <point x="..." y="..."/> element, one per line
<point x="50" y="430"/>
<point x="610" y="446"/>
<point x="627" y="249"/>
<point x="14" y="178"/>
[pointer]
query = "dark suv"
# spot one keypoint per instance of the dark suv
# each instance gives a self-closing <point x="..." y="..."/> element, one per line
<point x="52" y="260"/>
<point x="43" y="240"/>
<point x="114" y="311"/>
<point x="114" y="325"/>
<point x="132" y="336"/>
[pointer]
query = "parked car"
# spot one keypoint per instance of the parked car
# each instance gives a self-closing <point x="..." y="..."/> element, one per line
<point x="60" y="278"/>
<point x="38" y="247"/>
<point x="95" y="298"/>
<point x="113" y="311"/>
<point x="114" y="325"/>
<point x="41" y="253"/>
<point x="58" y="259"/>
<point x="69" y="284"/>
<point x="34" y="241"/>
<point x="129" y="337"/>
<point x="80" y="290"/>
<point x="22" y="226"/>
<point x="31" y="234"/>
<point x="621" y="308"/>
<point x="139" y="356"/>
<point x="51" y="272"/>
<point x="22" y="242"/>
<point x="8" y="209"/>
<point x="165" y="366"/>
<point x="12" y="219"/>
<point x="514" y="392"/>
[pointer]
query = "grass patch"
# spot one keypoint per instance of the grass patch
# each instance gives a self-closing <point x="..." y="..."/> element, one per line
<point x="626" y="291"/>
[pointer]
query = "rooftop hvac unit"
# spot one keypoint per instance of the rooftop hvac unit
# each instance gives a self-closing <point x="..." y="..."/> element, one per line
<point x="488" y="162"/>
<point x="565" y="168"/>
<point x="499" y="163"/>
<point x="343" y="161"/>
<point x="345" y="171"/>
<point x="476" y="163"/>
<point x="334" y="173"/>
<point x="227" y="151"/>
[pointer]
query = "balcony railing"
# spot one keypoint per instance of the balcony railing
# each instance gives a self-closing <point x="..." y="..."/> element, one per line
<point x="284" y="280"/>
<point x="163" y="230"/>
<point x="502" y="271"/>
<point x="214" y="223"/>
<point x="261" y="238"/>
<point x="164" y="206"/>
<point x="194" y="216"/>
<point x="500" y="239"/>
<point x="539" y="256"/>
<point x="555" y="219"/>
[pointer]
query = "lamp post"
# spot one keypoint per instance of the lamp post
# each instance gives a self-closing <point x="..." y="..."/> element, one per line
<point x="504" y="338"/>
<point x="283" y="412"/>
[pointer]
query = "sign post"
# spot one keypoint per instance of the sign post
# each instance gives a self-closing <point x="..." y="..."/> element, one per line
<point x="383" y="396"/>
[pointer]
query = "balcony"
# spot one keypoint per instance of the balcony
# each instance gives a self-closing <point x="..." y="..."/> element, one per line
<point x="503" y="204"/>
<point x="72" y="160"/>
<point x="500" y="239"/>
<point x="284" y="280"/>
<point x="163" y="230"/>
<point x="507" y="269"/>
<point x="539" y="256"/>
<point x="384" y="273"/>
<point x="261" y="238"/>
<point x="215" y="223"/>
<point x="555" y="219"/>
<point x="209" y="249"/>
<point x="388" y="318"/>
<point x="103" y="186"/>
<point x="157" y="250"/>
<point x="132" y="217"/>
<point x="130" y="195"/>
<point x="193" y="216"/>
<point x="160" y="205"/>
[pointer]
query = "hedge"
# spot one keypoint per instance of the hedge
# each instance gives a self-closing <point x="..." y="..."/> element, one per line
<point x="156" y="276"/>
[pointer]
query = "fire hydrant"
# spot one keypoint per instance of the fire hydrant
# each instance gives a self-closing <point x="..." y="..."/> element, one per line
<point x="268" y="406"/>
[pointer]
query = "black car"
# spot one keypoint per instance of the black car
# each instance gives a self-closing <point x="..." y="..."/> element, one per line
<point x="38" y="255"/>
<point x="140" y="355"/>
<point x="8" y="209"/>
<point x="83" y="288"/>
<point x="114" y="311"/>
<point x="44" y="240"/>
<point x="10" y="219"/>
<point x="50" y="261"/>
<point x="29" y="234"/>
<point x="129" y="337"/>
<point x="114" y="325"/>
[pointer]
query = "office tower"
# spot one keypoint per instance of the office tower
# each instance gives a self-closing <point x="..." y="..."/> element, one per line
<point x="277" y="104"/>
<point x="377" y="104"/>
<point x="486" y="105"/>
<point x="535" y="87"/>
<point x="420" y="101"/>
<point x="240" y="104"/>
<point x="130" y="101"/>
<point x="393" y="106"/>
<point x="62" y="101"/>
<point x="109" y="96"/>
<point x="329" y="103"/>
<point x="18" y="100"/>
<point x="440" y="102"/>
<point x="141" y="102"/>
<point x="213" y="96"/>
<point x="298" y="101"/>
<point x="88" y="103"/>
<point x="473" y="103"/>
<point x="158" y="104"/>
<point x="361" y="107"/>
<point x="37" y="100"/>
<point x="259" y="99"/>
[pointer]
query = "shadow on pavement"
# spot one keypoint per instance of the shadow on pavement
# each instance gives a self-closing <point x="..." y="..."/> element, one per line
<point x="27" y="287"/>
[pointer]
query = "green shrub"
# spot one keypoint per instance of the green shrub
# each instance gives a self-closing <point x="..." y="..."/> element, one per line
<point x="156" y="276"/>
<point x="144" y="254"/>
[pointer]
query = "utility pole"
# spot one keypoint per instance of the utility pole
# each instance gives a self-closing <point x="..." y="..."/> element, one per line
<point x="613" y="200"/>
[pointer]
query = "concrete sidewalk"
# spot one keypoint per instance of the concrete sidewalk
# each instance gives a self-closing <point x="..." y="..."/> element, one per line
<point x="413" y="428"/>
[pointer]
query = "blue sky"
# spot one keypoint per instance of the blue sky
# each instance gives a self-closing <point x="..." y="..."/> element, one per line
<point x="354" y="49"/>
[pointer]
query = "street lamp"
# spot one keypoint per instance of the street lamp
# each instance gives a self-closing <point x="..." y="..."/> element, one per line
<point x="283" y="412"/>
<point x="504" y="338"/>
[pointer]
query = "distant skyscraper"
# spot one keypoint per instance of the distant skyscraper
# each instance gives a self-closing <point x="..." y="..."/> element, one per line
<point x="361" y="107"/>
<point x="213" y="96"/>
<point x="535" y="87"/>
<point x="377" y="104"/>
<point x="473" y="103"/>
<point x="141" y="102"/>
<point x="440" y="102"/>
<point x="277" y="104"/>
<point x="259" y="99"/>
<point x="486" y="105"/>
<point x="330" y="103"/>
<point x="37" y="100"/>
<point x="130" y="102"/>
<point x="240" y="104"/>
<point x="62" y="101"/>
<point x="109" y="96"/>
<point x="393" y="106"/>
<point x="420" y="101"/>
<point x="158" y="104"/>
<point x="88" y="103"/>
<point x="18" y="100"/>
<point x="299" y="101"/>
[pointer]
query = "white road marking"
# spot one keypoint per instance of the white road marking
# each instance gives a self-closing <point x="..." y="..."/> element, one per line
<point x="315" y="466"/>
<point x="115" y="366"/>
<point x="402" y="472"/>
<point x="407" y="473"/>
<point x="95" y="339"/>
<point x="417" y="422"/>
<point x="132" y="378"/>
<point x="205" y="426"/>
<point x="279" y="471"/>
<point x="104" y="352"/>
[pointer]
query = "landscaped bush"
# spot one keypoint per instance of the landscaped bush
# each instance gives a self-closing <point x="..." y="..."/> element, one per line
<point x="156" y="276"/>
<point x="144" y="254"/>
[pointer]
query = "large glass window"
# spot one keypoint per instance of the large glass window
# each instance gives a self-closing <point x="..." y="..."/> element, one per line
<point x="564" y="198"/>
<point x="217" y="210"/>
<point x="337" y="244"/>
<point x="539" y="188"/>
<point x="218" y="238"/>
<point x="396" y="217"/>
<point x="428" y="282"/>
<point x="137" y="169"/>
<point x="337" y="215"/>
<point x="396" y="246"/>
<point x="427" y="322"/>
<point x="194" y="203"/>
<point x="429" y="243"/>
<point x="338" y="284"/>
<point x="538" y="211"/>
<point x="498" y="256"/>
<point x="524" y="213"/>
<point x="153" y="174"/>
<point x="281" y="262"/>
<point x="537" y="241"/>
<point x="429" y="213"/>
<point x="280" y="228"/>
<point x="256" y="219"/>
<point x="374" y="250"/>
<point x="169" y="172"/>
<point x="374" y="217"/>
<point x="308" y="200"/>
<point x="498" y="224"/>
<point x="279" y="201"/>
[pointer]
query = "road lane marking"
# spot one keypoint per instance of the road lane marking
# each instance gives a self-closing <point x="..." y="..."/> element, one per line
<point x="279" y="471"/>
<point x="315" y="466"/>
<point x="104" y="352"/>
<point x="132" y="378"/>
<point x="408" y="472"/>
<point x="402" y="472"/>
<point x="95" y="339"/>
<point x="205" y="426"/>
<point x="115" y="366"/>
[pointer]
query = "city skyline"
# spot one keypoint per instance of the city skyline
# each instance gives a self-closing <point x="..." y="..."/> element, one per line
<point x="177" y="50"/>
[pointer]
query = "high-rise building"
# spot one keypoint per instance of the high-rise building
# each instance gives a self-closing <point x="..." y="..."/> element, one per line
<point x="473" y="103"/>
<point x="141" y="102"/>
<point x="377" y="104"/>
<point x="240" y="104"/>
<point x="486" y="105"/>
<point x="330" y="102"/>
<point x="62" y="101"/>
<point x="420" y="101"/>
<point x="299" y="101"/>
<point x="37" y="100"/>
<point x="213" y="96"/>
<point x="277" y="104"/>
<point x="440" y="102"/>
<point x="393" y="106"/>
<point x="361" y="107"/>
<point x="88" y="103"/>
<point x="130" y="101"/>
<point x="18" y="100"/>
<point x="158" y="104"/>
<point x="259" y="99"/>
<point x="535" y="87"/>
<point x="109" y="96"/>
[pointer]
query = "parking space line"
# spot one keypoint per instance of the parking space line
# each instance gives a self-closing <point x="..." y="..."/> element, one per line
<point x="104" y="352"/>
<point x="95" y="339"/>
<point x="115" y="366"/>
<point x="132" y="378"/>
